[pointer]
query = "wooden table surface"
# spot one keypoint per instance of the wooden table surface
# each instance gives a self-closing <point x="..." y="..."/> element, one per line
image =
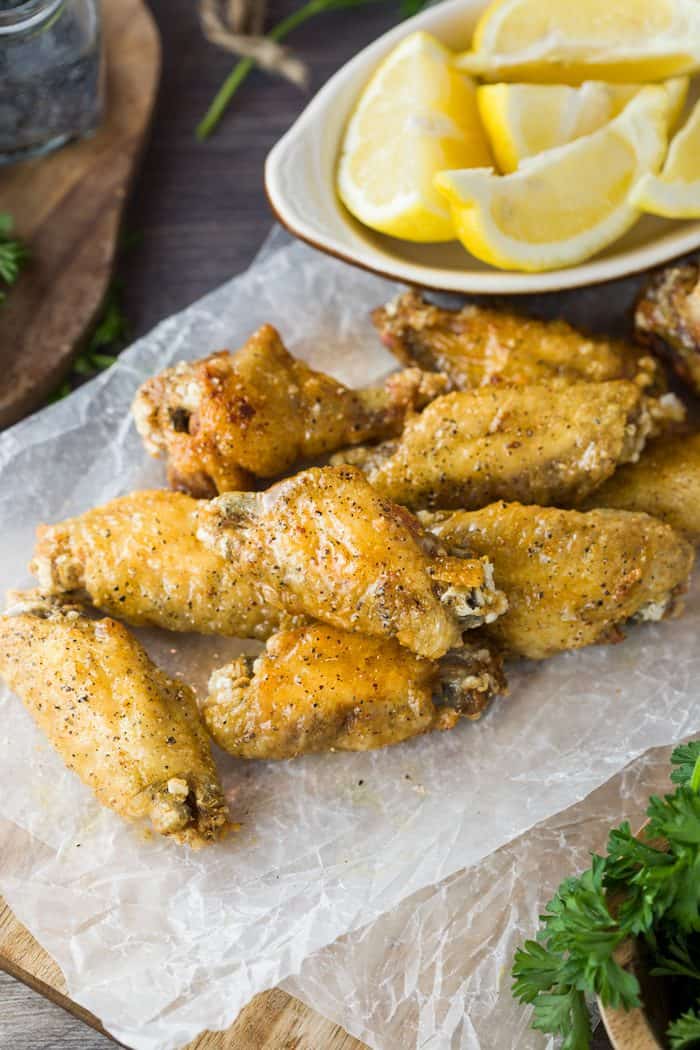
<point x="198" y="215"/>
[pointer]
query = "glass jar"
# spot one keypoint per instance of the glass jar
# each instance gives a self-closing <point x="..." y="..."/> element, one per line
<point x="51" y="84"/>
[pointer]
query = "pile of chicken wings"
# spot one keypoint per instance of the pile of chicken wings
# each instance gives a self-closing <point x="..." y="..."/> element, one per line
<point x="517" y="490"/>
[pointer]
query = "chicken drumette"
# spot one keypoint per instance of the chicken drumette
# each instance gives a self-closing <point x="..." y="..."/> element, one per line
<point x="318" y="688"/>
<point x="667" y="319"/>
<point x="542" y="443"/>
<point x="571" y="579"/>
<point x="230" y="419"/>
<point x="665" y="482"/>
<point x="321" y="545"/>
<point x="130" y="732"/>
<point x="477" y="345"/>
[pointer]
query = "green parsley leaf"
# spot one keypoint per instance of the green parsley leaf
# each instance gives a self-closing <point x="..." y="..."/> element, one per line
<point x="684" y="1033"/>
<point x="13" y="254"/>
<point x="678" y="962"/>
<point x="685" y="757"/>
<point x="564" y="1013"/>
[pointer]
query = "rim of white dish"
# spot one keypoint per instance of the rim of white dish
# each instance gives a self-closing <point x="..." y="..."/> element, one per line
<point x="661" y="249"/>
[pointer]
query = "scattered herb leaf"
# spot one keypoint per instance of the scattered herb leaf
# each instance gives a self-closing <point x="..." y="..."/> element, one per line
<point x="13" y="254"/>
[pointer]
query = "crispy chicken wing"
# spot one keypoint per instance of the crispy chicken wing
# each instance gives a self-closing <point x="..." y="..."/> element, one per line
<point x="476" y="346"/>
<point x="667" y="319"/>
<point x="665" y="482"/>
<point x="320" y="545"/>
<point x="132" y="734"/>
<point x="138" y="557"/>
<point x="571" y="579"/>
<point x="318" y="688"/>
<point x="543" y="443"/>
<point x="229" y="419"/>
<point x="323" y="543"/>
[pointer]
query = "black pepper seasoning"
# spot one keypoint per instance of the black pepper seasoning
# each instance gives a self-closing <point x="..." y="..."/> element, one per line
<point x="51" y="84"/>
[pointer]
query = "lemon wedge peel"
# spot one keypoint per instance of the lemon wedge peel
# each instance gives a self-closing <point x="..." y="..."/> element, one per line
<point x="522" y="120"/>
<point x="675" y="193"/>
<point x="416" y="116"/>
<point x="565" y="205"/>
<point x="547" y="41"/>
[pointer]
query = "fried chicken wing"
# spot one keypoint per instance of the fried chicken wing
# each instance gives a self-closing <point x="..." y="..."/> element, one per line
<point x="318" y="688"/>
<point x="476" y="346"/>
<point x="132" y="734"/>
<point x="229" y="419"/>
<point x="571" y="579"/>
<point x="543" y="443"/>
<point x="667" y="319"/>
<point x="665" y="482"/>
<point x="323" y="543"/>
<point x="138" y="557"/>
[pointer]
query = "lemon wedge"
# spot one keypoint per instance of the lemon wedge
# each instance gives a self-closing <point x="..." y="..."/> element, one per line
<point x="566" y="204"/>
<point x="555" y="41"/>
<point x="522" y="120"/>
<point x="675" y="193"/>
<point x="416" y="116"/>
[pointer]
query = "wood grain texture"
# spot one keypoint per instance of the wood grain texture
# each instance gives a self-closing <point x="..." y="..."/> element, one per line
<point x="68" y="208"/>
<point x="271" y="1021"/>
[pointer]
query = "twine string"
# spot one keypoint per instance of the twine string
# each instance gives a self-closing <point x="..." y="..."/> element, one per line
<point x="237" y="26"/>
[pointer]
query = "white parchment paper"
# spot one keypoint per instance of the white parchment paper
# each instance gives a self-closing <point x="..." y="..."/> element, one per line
<point x="160" y="943"/>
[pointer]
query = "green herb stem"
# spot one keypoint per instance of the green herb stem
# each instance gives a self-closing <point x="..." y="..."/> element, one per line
<point x="278" y="32"/>
<point x="242" y="68"/>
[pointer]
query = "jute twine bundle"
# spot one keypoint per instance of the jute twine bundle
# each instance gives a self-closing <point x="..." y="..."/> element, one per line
<point x="237" y="26"/>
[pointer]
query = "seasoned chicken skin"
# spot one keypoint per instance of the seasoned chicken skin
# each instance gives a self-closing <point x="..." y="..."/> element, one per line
<point x="667" y="319"/>
<point x="665" y="482"/>
<point x="571" y="579"/>
<point x="229" y="419"/>
<point x="326" y="545"/>
<point x="138" y="557"/>
<point x="321" y="545"/>
<point x="318" y="688"/>
<point x="543" y="443"/>
<point x="132" y="734"/>
<point x="477" y="345"/>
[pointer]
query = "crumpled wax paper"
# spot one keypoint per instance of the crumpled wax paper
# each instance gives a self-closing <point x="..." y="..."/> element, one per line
<point x="161" y="943"/>
<point x="435" y="971"/>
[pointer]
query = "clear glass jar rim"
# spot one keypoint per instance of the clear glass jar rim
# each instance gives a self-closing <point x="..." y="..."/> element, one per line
<point x="27" y="14"/>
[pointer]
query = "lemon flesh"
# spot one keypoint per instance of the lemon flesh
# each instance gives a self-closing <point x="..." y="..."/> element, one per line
<point x="566" y="204"/>
<point x="522" y="120"/>
<point x="416" y="116"/>
<point x="552" y="41"/>
<point x="675" y="193"/>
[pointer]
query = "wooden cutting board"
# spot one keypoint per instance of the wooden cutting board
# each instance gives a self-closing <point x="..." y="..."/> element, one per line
<point x="272" y="1021"/>
<point x="67" y="208"/>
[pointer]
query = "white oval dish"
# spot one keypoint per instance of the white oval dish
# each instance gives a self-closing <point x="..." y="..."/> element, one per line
<point x="300" y="184"/>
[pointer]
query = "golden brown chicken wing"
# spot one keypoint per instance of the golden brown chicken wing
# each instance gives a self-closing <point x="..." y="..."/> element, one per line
<point x="318" y="688"/>
<point x="664" y="482"/>
<point x="320" y="545"/>
<point x="132" y="734"/>
<point x="543" y="443"/>
<point x="229" y="419"/>
<point x="324" y="544"/>
<point x="667" y="319"/>
<point x="571" y="579"/>
<point x="138" y="557"/>
<point x="476" y="346"/>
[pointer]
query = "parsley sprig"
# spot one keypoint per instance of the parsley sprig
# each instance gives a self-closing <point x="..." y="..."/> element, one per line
<point x="282" y="29"/>
<point x="13" y="254"/>
<point x="110" y="333"/>
<point x="647" y="888"/>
